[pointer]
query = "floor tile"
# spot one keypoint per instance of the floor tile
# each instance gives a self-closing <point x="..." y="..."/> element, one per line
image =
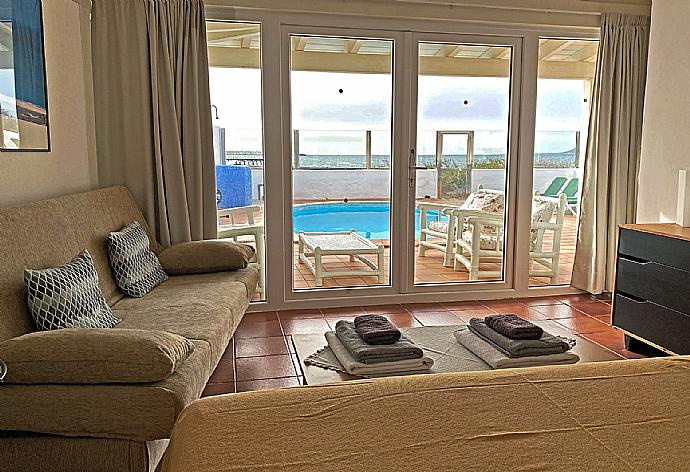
<point x="218" y="389"/>
<point x="415" y="308"/>
<point x="252" y="347"/>
<point x="578" y="298"/>
<point x="251" y="385"/>
<point x="258" y="329"/>
<point x="384" y="309"/>
<point x="503" y="304"/>
<point x="305" y="326"/>
<point x="584" y="324"/>
<point x="261" y="316"/>
<point x="230" y="350"/>
<point x="592" y="308"/>
<point x="266" y="367"/>
<point x="539" y="301"/>
<point x="464" y="306"/>
<point x="299" y="314"/>
<point x="612" y="339"/>
<point x="437" y="319"/>
<point x="630" y="354"/>
<point x="403" y="320"/>
<point x="224" y="372"/>
<point x="352" y="311"/>
<point x="554" y="312"/>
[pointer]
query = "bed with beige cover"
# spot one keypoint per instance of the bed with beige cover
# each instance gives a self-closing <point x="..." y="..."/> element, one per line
<point x="631" y="415"/>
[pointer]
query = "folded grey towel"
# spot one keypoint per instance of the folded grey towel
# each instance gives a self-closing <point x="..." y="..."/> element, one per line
<point x="498" y="360"/>
<point x="376" y="329"/>
<point x="513" y="327"/>
<point x="547" y="344"/>
<point x="373" y="353"/>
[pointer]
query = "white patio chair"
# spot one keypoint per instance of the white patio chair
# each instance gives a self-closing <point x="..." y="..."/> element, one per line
<point x="444" y="232"/>
<point x="481" y="240"/>
<point x="247" y="230"/>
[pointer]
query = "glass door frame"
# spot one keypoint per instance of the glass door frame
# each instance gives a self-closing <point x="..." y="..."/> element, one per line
<point x="398" y="161"/>
<point x="273" y="62"/>
<point x="439" y="154"/>
<point x="516" y="44"/>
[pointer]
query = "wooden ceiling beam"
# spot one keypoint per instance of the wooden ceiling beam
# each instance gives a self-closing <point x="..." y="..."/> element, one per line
<point x="552" y="47"/>
<point x="381" y="64"/>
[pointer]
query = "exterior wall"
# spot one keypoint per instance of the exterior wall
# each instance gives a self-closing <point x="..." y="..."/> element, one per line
<point x="495" y="178"/>
<point x="68" y="167"/>
<point x="665" y="136"/>
<point x="375" y="184"/>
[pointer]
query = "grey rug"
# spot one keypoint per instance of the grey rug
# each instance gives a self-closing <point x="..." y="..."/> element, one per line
<point x="437" y="342"/>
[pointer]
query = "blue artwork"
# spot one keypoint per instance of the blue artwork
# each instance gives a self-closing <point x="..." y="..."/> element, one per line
<point x="23" y="99"/>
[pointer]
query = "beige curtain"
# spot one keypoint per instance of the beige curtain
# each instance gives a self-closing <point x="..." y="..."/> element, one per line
<point x="153" y="111"/>
<point x="609" y="191"/>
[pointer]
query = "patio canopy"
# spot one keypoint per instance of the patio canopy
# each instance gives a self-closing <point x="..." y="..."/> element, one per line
<point x="237" y="45"/>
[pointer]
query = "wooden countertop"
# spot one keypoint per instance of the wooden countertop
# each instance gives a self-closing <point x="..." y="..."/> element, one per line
<point x="670" y="230"/>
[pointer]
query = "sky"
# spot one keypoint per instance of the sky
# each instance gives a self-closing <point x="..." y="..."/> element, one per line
<point x="332" y="110"/>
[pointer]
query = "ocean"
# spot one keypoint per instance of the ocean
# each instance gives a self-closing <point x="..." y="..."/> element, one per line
<point x="560" y="160"/>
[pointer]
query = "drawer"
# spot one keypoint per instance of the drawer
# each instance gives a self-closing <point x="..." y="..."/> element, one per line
<point x="658" y="283"/>
<point x="651" y="247"/>
<point x="662" y="326"/>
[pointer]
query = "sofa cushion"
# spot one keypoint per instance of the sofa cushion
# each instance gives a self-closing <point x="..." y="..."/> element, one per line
<point x="68" y="296"/>
<point x="93" y="356"/>
<point x="206" y="307"/>
<point x="135" y="267"/>
<point x="140" y="412"/>
<point x="200" y="257"/>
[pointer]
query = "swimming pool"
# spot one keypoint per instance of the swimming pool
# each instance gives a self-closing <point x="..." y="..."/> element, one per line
<point x="370" y="219"/>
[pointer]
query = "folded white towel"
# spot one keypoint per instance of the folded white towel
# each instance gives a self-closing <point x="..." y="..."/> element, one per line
<point x="358" y="368"/>
<point x="498" y="360"/>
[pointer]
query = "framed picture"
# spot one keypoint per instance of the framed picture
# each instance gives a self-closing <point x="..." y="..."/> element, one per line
<point x="23" y="95"/>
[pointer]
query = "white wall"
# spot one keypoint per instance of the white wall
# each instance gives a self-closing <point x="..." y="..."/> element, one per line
<point x="27" y="176"/>
<point x="666" y="132"/>
<point x="375" y="184"/>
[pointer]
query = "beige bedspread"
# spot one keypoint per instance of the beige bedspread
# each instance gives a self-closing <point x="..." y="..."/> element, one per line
<point x="609" y="416"/>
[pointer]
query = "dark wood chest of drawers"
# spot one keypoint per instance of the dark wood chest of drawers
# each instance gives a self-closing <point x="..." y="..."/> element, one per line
<point x="651" y="301"/>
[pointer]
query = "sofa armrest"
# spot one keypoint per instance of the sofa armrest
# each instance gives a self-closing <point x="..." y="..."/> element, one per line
<point x="93" y="356"/>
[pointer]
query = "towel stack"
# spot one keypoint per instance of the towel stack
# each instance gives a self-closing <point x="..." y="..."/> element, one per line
<point x="504" y="341"/>
<point x="372" y="345"/>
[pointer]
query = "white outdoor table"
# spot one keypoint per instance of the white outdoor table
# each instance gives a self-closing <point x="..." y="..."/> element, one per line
<point x="318" y="245"/>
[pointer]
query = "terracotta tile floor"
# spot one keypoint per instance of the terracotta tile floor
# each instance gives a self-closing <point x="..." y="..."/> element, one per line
<point x="261" y="354"/>
<point x="429" y="269"/>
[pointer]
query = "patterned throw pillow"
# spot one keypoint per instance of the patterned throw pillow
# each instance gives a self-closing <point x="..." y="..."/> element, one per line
<point x="68" y="296"/>
<point x="136" y="268"/>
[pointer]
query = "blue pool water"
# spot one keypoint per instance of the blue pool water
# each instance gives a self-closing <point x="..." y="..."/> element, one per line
<point x="370" y="219"/>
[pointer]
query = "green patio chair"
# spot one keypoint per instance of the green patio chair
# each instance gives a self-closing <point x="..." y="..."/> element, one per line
<point x="554" y="187"/>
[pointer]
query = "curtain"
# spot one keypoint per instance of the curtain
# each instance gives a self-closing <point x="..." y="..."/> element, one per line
<point x="612" y="159"/>
<point x="153" y="112"/>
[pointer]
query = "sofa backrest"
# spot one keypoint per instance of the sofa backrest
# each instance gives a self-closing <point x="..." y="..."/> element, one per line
<point x="51" y="232"/>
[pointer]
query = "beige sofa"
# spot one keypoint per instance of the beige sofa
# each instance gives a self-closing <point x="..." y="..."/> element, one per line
<point x="610" y="416"/>
<point x="109" y="427"/>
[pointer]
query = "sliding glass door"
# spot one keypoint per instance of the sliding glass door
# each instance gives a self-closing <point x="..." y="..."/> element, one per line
<point x="462" y="159"/>
<point x="341" y="112"/>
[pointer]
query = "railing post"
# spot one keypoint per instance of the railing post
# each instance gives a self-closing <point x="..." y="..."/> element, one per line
<point x="295" y="148"/>
<point x="577" y="149"/>
<point x="368" y="149"/>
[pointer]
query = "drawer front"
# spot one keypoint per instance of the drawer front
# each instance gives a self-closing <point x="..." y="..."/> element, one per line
<point x="658" y="283"/>
<point x="662" y="326"/>
<point x="651" y="247"/>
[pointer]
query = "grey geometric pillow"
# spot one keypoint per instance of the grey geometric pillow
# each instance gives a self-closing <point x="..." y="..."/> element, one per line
<point x="136" y="268"/>
<point x="68" y="296"/>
